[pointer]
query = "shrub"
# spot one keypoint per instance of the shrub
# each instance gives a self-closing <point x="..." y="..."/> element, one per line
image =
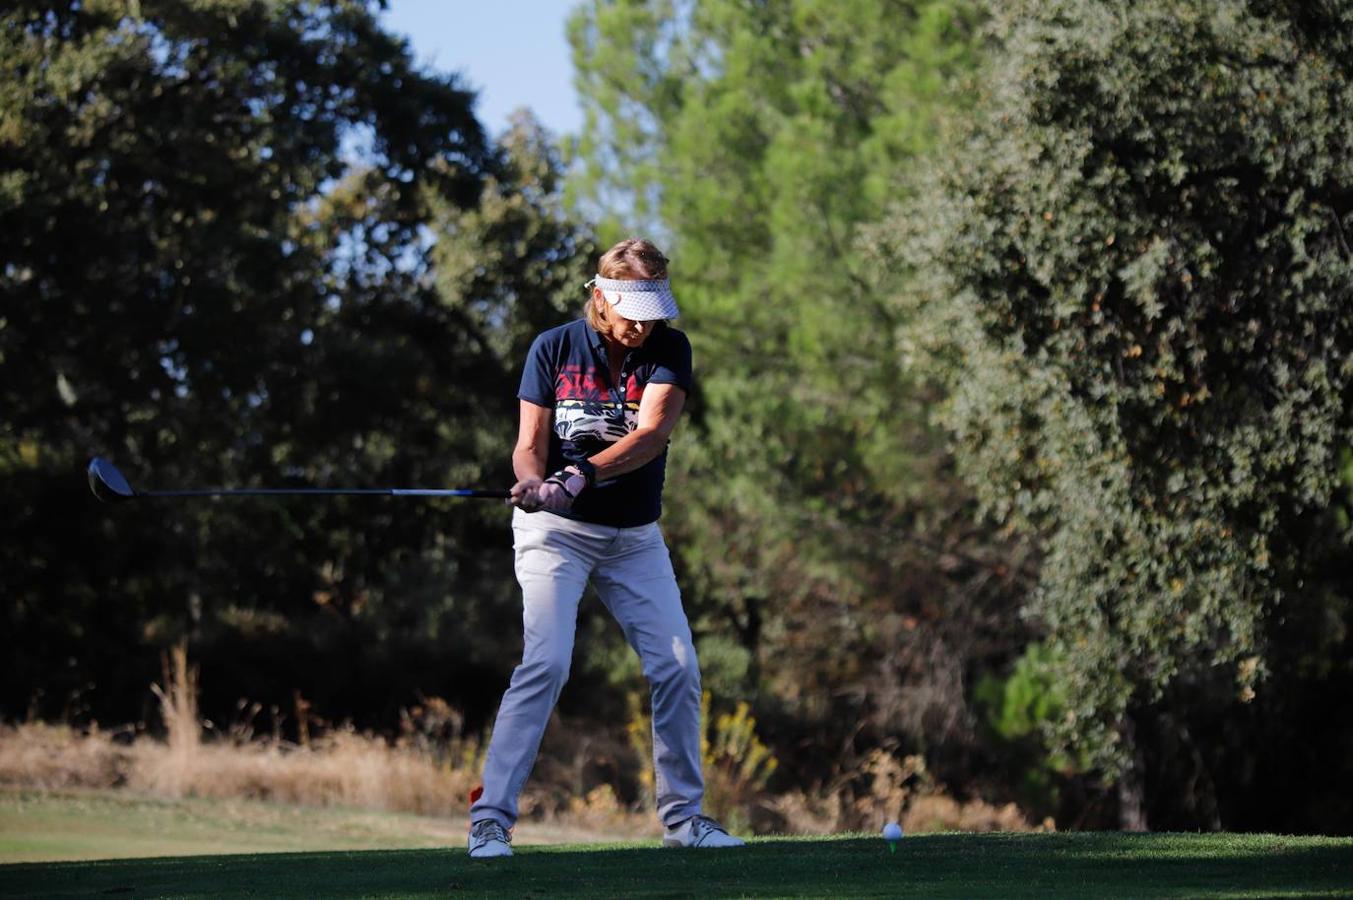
<point x="1134" y="281"/>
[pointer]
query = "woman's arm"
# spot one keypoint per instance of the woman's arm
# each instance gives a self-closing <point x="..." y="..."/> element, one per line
<point x="658" y="413"/>
<point x="531" y="453"/>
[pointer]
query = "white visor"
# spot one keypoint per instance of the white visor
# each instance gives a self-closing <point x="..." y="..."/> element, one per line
<point x="639" y="301"/>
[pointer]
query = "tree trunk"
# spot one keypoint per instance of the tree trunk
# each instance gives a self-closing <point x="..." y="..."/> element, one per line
<point x="1131" y="789"/>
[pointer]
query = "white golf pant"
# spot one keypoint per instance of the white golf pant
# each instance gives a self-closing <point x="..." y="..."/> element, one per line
<point x="632" y="572"/>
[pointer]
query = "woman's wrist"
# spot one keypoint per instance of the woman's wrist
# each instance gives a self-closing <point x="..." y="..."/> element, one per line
<point x="586" y="470"/>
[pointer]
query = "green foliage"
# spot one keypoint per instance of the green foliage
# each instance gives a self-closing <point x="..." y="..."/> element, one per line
<point x="1133" y="283"/>
<point x="249" y="242"/>
<point x="222" y="265"/>
<point x="810" y="505"/>
<point x="1020" y="709"/>
<point x="1021" y="704"/>
<point x="1344" y="505"/>
<point x="516" y="263"/>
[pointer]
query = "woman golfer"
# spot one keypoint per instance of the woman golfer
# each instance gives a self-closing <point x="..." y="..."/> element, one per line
<point x="599" y="399"/>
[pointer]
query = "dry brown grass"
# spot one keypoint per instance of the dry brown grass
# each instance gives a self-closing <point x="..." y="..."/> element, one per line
<point x="349" y="769"/>
<point x="178" y="705"/>
<point x="342" y="769"/>
<point x="56" y="757"/>
<point x="894" y="790"/>
<point x="938" y="812"/>
<point x="431" y="767"/>
<point x="428" y="770"/>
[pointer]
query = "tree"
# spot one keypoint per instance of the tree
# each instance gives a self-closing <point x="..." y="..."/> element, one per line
<point x="517" y="262"/>
<point x="1133" y="284"/>
<point x="830" y="555"/>
<point x="219" y="267"/>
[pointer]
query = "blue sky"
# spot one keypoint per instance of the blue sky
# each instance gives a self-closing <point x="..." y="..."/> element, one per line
<point x="512" y="51"/>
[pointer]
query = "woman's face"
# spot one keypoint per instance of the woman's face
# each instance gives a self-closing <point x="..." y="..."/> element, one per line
<point x="626" y="332"/>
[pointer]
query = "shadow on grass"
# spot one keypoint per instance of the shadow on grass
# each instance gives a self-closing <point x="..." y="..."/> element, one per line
<point x="929" y="866"/>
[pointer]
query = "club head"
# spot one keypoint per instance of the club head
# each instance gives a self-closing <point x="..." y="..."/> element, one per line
<point x="107" y="482"/>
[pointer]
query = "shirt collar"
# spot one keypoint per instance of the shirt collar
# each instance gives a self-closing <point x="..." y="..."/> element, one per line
<point x="594" y="337"/>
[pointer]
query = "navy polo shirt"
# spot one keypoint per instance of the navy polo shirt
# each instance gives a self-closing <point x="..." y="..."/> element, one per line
<point x="567" y="370"/>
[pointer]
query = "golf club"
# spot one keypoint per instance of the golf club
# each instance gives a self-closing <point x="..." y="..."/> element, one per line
<point x="110" y="486"/>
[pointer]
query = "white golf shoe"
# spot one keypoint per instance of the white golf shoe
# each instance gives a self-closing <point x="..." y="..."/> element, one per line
<point x="489" y="838"/>
<point x="699" y="831"/>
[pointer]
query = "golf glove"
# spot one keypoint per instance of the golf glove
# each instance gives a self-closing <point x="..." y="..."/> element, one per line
<point x="557" y="493"/>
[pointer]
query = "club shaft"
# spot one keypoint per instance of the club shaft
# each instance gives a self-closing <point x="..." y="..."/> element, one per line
<point x="329" y="492"/>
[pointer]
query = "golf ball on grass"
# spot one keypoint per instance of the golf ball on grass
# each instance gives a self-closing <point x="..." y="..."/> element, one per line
<point x="892" y="832"/>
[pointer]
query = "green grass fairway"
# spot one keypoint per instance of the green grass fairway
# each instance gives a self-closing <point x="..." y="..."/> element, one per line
<point x="53" y="826"/>
<point x="952" y="865"/>
<point x="76" y="825"/>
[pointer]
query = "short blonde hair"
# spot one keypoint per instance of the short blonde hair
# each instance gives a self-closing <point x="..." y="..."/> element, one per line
<point x="633" y="259"/>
